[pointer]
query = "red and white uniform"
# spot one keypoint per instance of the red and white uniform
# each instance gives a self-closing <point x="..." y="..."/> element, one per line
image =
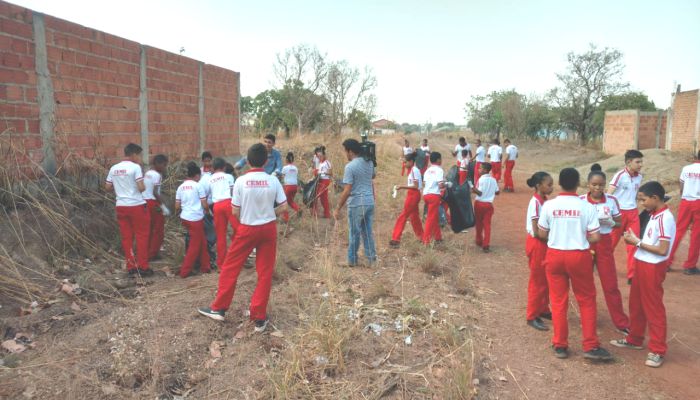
<point x="626" y="184"/>
<point x="132" y="214"/>
<point x="646" y="293"/>
<point x="431" y="195"/>
<point x="607" y="210"/>
<point x="569" y="220"/>
<point x="535" y="249"/>
<point x="463" y="170"/>
<point x="483" y="209"/>
<point x="190" y="195"/>
<point x="458" y="150"/>
<point x="324" y="170"/>
<point x="255" y="195"/>
<point x="291" y="186"/>
<point x="512" y="153"/>
<point x="152" y="180"/>
<point x="425" y="149"/>
<point x="495" y="152"/>
<point x="689" y="214"/>
<point x="479" y="157"/>
<point x="410" y="207"/>
<point x="406" y="151"/>
<point x="220" y="187"/>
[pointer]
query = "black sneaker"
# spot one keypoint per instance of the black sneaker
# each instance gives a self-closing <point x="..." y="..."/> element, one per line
<point x="487" y="249"/>
<point x="145" y="272"/>
<point x="208" y="312"/>
<point x="394" y="244"/>
<point x="133" y="273"/>
<point x="261" y="325"/>
<point x="629" y="281"/>
<point x="538" y="324"/>
<point x="598" y="354"/>
<point x="625" y="344"/>
<point x="624" y="331"/>
<point x="561" y="352"/>
<point x="691" y="271"/>
<point x="546" y="315"/>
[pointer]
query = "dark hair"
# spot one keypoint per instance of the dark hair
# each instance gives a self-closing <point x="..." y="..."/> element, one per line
<point x="506" y="141"/>
<point x="653" y="188"/>
<point x="496" y="141"/>
<point x="435" y="156"/>
<point x="229" y="169"/>
<point x="462" y="139"/>
<point x="206" y="154"/>
<point x="597" y="170"/>
<point x="486" y="166"/>
<point x="426" y="141"/>
<point x="632" y="154"/>
<point x="537" y="178"/>
<point x="257" y="155"/>
<point x="270" y="137"/>
<point x="465" y="152"/>
<point x="569" y="179"/>
<point x="410" y="157"/>
<point x="219" y="164"/>
<point x="132" y="149"/>
<point x="160" y="159"/>
<point x="697" y="156"/>
<point x="352" y="145"/>
<point x="290" y="157"/>
<point x="193" y="170"/>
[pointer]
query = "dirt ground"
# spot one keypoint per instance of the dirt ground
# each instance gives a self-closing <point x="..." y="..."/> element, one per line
<point x="440" y="323"/>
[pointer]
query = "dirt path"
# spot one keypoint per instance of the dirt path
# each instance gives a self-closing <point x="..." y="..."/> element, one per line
<point x="517" y="361"/>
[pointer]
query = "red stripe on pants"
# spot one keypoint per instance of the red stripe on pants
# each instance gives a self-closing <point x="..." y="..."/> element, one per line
<point x="482" y="213"/>
<point x="248" y="237"/>
<point x="496" y="170"/>
<point x="647" y="306"/>
<point x="537" y="288"/>
<point x="134" y="223"/>
<point x="607" y="272"/>
<point x="630" y="219"/>
<point x="688" y="213"/>
<point x="432" y="220"/>
<point x="477" y="165"/>
<point x="403" y="167"/>
<point x="462" y="177"/>
<point x="410" y="212"/>
<point x="290" y="191"/>
<point x="508" y="175"/>
<point x="223" y="217"/>
<point x="157" y="228"/>
<point x="197" y="249"/>
<point x="322" y="196"/>
<point x="576" y="266"/>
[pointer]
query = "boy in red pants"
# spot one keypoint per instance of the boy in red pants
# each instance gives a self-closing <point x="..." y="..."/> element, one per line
<point x="220" y="185"/>
<point x="254" y="197"/>
<point x="495" y="153"/>
<point x="486" y="191"/>
<point x="126" y="179"/>
<point x="511" y="154"/>
<point x="651" y="262"/>
<point x="689" y="213"/>
<point x="191" y="198"/>
<point x="156" y="206"/>
<point x="325" y="173"/>
<point x="432" y="195"/>
<point x="290" y="174"/>
<point x="410" y="206"/>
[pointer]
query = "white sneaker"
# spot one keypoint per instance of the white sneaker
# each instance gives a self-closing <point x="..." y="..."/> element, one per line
<point x="261" y="325"/>
<point x="654" y="360"/>
<point x="624" y="344"/>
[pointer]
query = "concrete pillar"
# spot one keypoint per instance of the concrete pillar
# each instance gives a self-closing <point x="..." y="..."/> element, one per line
<point x="696" y="144"/>
<point x="202" y="118"/>
<point x="45" y="95"/>
<point x="143" y="105"/>
<point x="636" y="129"/>
<point x="659" y="118"/>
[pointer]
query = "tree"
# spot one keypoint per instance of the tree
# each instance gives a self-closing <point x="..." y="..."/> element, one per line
<point x="626" y="101"/>
<point x="541" y="120"/>
<point x="247" y="106"/>
<point x="359" y="120"/>
<point x="499" y="110"/>
<point x="590" y="77"/>
<point x="270" y="113"/>
<point x="347" y="89"/>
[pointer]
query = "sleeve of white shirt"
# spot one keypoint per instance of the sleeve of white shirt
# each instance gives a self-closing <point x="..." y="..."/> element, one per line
<point x="616" y="179"/>
<point x="684" y="175"/>
<point x="615" y="209"/>
<point x="482" y="185"/>
<point x="231" y="180"/>
<point x="280" y="197"/>
<point x="178" y="195"/>
<point x="236" y="198"/>
<point x="667" y="227"/>
<point x="203" y="191"/>
<point x="544" y="221"/>
<point x="592" y="223"/>
<point x="138" y="174"/>
<point x="533" y="209"/>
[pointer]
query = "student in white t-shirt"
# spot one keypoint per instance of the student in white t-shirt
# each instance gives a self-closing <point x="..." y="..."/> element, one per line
<point x="495" y="152"/>
<point x="647" y="309"/>
<point x="325" y="174"/>
<point x="486" y="191"/>
<point x="126" y="179"/>
<point x="290" y="174"/>
<point x="219" y="186"/>
<point x="569" y="225"/>
<point x="433" y="185"/>
<point x="689" y="213"/>
<point x="459" y="147"/>
<point x="156" y="205"/>
<point x="510" y="155"/>
<point x="464" y="167"/>
<point x="410" y="211"/>
<point x="426" y="150"/>
<point x="479" y="157"/>
<point x="254" y="198"/>
<point x="191" y="202"/>
<point x="407" y="149"/>
<point x="207" y="160"/>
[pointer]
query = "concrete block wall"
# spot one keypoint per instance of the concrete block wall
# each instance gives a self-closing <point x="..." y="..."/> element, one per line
<point x="684" y="122"/>
<point x="620" y="131"/>
<point x="71" y="91"/>
<point x="651" y="130"/>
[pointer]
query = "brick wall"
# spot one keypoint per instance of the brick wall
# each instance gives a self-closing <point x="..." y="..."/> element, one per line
<point x="619" y="131"/>
<point x="684" y="122"/>
<point x="98" y="98"/>
<point x="649" y="124"/>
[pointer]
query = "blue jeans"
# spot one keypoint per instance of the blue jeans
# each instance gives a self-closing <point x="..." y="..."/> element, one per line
<point x="360" y="221"/>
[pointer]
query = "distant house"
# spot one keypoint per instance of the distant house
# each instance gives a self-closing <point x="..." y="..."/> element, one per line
<point x="383" y="127"/>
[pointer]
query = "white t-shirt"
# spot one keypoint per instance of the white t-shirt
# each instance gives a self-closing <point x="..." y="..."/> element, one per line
<point x="316" y="161"/>
<point x="480" y="154"/>
<point x="569" y="221"/>
<point x="291" y="174"/>
<point x="626" y="187"/>
<point x="463" y="164"/>
<point x="495" y="152"/>
<point x="512" y="152"/>
<point x="488" y="188"/>
<point x="190" y="194"/>
<point x="206" y="172"/>
<point x="425" y="149"/>
<point x="661" y="226"/>
<point x="415" y="177"/>
<point x="533" y="213"/>
<point x="255" y="194"/>
<point x="459" y="148"/>
<point x="324" y="169"/>
<point x="606" y="209"/>
<point x="431" y="178"/>
<point x="220" y="185"/>
<point x="151" y="180"/>
<point x="407" y="151"/>
<point x="690" y="178"/>
<point x="123" y="176"/>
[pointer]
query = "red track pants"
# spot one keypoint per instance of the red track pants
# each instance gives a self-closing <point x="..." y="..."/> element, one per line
<point x="630" y="219"/>
<point x="576" y="266"/>
<point x="197" y="248"/>
<point x="432" y="220"/>
<point x="482" y="213"/>
<point x="607" y="272"/>
<point x="157" y="228"/>
<point x="462" y="177"/>
<point x="290" y="191"/>
<point x="322" y="196"/>
<point x="223" y="217"/>
<point x="537" y="288"/>
<point x="508" y="175"/>
<point x="688" y="213"/>
<point x="134" y="223"/>
<point x="248" y="237"/>
<point x="477" y="165"/>
<point x="496" y="170"/>
<point x="410" y="212"/>
<point x="647" y="306"/>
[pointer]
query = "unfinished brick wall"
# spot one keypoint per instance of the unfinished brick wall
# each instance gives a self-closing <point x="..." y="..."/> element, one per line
<point x="619" y="133"/>
<point x="684" y="127"/>
<point x="105" y="91"/>
<point x="651" y="131"/>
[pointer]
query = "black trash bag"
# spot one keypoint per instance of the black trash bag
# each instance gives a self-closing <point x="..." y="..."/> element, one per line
<point x="459" y="200"/>
<point x="420" y="159"/>
<point x="470" y="171"/>
<point x="309" y="192"/>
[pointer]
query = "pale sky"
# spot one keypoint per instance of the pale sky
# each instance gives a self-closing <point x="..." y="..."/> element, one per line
<point x="429" y="57"/>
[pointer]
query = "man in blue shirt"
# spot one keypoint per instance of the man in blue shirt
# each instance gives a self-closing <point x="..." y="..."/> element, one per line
<point x="359" y="194"/>
<point x="273" y="166"/>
